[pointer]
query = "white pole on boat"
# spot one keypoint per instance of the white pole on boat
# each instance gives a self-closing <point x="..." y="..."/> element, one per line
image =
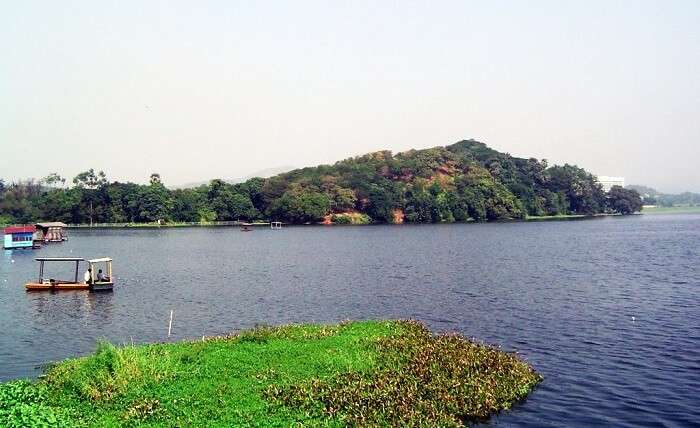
<point x="170" y="325"/>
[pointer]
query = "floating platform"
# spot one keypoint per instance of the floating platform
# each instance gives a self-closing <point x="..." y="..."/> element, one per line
<point x="57" y="286"/>
<point x="36" y="286"/>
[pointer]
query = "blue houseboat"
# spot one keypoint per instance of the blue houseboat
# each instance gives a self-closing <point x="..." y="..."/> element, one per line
<point x="19" y="237"/>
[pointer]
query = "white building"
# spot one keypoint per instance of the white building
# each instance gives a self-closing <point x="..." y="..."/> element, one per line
<point x="609" y="182"/>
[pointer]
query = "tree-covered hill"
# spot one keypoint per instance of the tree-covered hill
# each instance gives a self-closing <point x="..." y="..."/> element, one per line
<point x="465" y="181"/>
<point x="652" y="196"/>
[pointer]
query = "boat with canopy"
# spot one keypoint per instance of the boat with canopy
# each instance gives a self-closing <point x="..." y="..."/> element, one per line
<point x="105" y="283"/>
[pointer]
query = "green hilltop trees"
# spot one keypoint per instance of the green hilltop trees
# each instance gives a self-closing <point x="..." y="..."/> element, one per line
<point x="465" y="181"/>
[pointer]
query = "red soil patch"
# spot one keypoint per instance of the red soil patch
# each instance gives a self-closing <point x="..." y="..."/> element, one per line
<point x="398" y="216"/>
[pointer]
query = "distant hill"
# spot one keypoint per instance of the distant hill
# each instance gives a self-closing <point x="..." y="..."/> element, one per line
<point x="465" y="181"/>
<point x="263" y="173"/>
<point x="652" y="196"/>
<point x="644" y="191"/>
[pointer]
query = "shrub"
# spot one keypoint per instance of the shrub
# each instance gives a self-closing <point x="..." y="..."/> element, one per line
<point x="350" y="218"/>
<point x="112" y="371"/>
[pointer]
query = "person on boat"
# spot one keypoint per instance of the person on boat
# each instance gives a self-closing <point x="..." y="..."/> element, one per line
<point x="101" y="277"/>
<point x="88" y="276"/>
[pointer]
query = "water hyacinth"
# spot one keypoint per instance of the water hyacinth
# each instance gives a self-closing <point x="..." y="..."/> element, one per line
<point x="421" y="380"/>
<point x="363" y="373"/>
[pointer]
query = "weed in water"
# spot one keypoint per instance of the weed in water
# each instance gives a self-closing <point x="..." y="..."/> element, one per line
<point x="357" y="373"/>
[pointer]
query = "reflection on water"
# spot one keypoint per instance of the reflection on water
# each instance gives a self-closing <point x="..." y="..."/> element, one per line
<point x="606" y="309"/>
<point x="80" y="306"/>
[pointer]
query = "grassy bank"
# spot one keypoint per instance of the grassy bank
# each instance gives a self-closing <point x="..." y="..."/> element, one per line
<point x="165" y="224"/>
<point x="342" y="220"/>
<point x="360" y="373"/>
<point x="564" y="217"/>
<point x="556" y="217"/>
<point x="671" y="210"/>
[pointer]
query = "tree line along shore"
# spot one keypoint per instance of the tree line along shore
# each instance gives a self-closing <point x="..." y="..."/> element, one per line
<point x="465" y="181"/>
<point x="264" y="224"/>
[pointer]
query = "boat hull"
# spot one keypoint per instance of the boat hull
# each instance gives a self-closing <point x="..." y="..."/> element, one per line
<point x="102" y="286"/>
<point x="36" y="286"/>
<point x="36" y="246"/>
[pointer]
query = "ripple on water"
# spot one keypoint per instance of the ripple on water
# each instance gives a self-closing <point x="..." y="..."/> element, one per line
<point x="605" y="310"/>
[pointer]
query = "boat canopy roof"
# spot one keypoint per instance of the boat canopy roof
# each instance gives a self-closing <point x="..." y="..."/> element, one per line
<point x="19" y="229"/>
<point x="103" y="259"/>
<point x="60" y="259"/>
<point x="51" y="224"/>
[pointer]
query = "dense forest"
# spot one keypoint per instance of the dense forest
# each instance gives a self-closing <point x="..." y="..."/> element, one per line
<point x="466" y="181"/>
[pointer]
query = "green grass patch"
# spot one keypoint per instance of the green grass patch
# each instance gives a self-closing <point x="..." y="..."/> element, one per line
<point x="562" y="217"/>
<point x="351" y="218"/>
<point x="357" y="373"/>
<point x="671" y="210"/>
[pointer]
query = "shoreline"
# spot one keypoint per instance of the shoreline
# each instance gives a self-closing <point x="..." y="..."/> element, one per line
<point x="259" y="224"/>
<point x="659" y="210"/>
<point x="358" y="373"/>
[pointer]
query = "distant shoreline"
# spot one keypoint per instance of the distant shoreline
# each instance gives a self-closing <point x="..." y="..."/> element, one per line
<point x="168" y="224"/>
<point x="672" y="210"/>
<point x="260" y="224"/>
<point x="568" y="217"/>
<point x="267" y="224"/>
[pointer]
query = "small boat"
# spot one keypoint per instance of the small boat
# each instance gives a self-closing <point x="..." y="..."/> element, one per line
<point x="246" y="227"/>
<point x="51" y="284"/>
<point x="107" y="282"/>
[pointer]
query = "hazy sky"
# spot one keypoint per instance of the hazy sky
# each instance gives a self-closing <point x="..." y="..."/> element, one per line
<point x="202" y="89"/>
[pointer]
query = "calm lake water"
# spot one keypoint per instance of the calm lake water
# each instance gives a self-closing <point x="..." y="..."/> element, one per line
<point x="607" y="309"/>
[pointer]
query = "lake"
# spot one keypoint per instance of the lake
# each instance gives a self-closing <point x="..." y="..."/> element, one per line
<point x="606" y="309"/>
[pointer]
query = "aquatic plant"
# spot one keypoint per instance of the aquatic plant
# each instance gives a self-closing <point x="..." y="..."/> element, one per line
<point x="361" y="373"/>
<point x="421" y="380"/>
<point x="22" y="404"/>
